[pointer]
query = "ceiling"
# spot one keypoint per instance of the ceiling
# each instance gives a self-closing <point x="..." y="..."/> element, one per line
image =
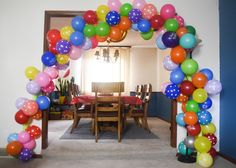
<point x="132" y="39"/>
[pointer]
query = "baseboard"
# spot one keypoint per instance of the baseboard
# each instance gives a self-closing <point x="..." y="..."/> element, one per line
<point x="227" y="158"/>
<point x="37" y="156"/>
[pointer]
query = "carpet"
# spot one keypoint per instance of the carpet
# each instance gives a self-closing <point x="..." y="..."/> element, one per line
<point x="131" y="131"/>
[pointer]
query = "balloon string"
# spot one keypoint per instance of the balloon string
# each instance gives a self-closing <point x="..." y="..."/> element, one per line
<point x="190" y="54"/>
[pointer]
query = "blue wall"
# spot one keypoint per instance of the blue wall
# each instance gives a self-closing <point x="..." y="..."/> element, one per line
<point x="159" y="106"/>
<point x="228" y="77"/>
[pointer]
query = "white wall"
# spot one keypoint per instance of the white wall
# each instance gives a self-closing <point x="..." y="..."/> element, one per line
<point x="21" y="43"/>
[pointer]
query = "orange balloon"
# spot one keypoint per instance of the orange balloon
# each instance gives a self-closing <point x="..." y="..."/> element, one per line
<point x="199" y="80"/>
<point x="181" y="31"/>
<point x="184" y="107"/>
<point x="14" y="148"/>
<point x="125" y="23"/>
<point x="190" y="118"/>
<point x="115" y="33"/>
<point x="38" y="115"/>
<point x="178" y="54"/>
<point x="101" y="39"/>
<point x="182" y="98"/>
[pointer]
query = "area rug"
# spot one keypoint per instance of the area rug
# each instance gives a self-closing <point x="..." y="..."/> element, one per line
<point x="131" y="131"/>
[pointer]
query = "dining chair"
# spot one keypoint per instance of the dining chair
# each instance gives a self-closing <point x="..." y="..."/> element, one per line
<point x="108" y="105"/>
<point x="79" y="110"/>
<point x="139" y="91"/>
<point x="139" y="112"/>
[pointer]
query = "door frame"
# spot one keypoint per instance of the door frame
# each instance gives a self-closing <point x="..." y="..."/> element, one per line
<point x="47" y="20"/>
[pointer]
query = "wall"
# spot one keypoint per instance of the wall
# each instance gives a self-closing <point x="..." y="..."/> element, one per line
<point x="228" y="78"/>
<point x="21" y="32"/>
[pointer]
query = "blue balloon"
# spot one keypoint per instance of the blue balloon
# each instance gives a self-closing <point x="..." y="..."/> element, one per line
<point x="188" y="41"/>
<point x="177" y="76"/>
<point x="206" y="104"/>
<point x="113" y="18"/>
<point x="78" y="23"/>
<point x="12" y="137"/>
<point x="77" y="38"/>
<point x="170" y="39"/>
<point x="135" y="15"/>
<point x="135" y="27"/>
<point x="204" y="117"/>
<point x="172" y="91"/>
<point x="144" y="26"/>
<point x="180" y="119"/>
<point x="48" y="59"/>
<point x="25" y="154"/>
<point x="208" y="73"/>
<point x="160" y="43"/>
<point x="182" y="149"/>
<point x="43" y="102"/>
<point x="63" y="47"/>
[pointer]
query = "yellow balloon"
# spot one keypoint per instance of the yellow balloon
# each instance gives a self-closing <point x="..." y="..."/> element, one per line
<point x="202" y="144"/>
<point x="205" y="160"/>
<point x="62" y="59"/>
<point x="102" y="11"/>
<point x="208" y="129"/>
<point x="31" y="72"/>
<point x="199" y="95"/>
<point x="66" y="32"/>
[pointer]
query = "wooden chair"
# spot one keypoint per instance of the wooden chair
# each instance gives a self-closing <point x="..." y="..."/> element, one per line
<point x="108" y="108"/>
<point x="79" y="110"/>
<point x="140" y="112"/>
<point x="139" y="91"/>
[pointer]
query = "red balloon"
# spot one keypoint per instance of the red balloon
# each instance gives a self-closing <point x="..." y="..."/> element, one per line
<point x="53" y="36"/>
<point x="193" y="130"/>
<point x="52" y="48"/>
<point x="21" y="118"/>
<point x="213" y="152"/>
<point x="90" y="17"/>
<point x="94" y="42"/>
<point x="34" y="131"/>
<point x="211" y="138"/>
<point x="157" y="22"/>
<point x="187" y="88"/>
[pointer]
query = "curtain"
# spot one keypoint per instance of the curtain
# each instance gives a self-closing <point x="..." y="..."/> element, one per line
<point x="98" y="70"/>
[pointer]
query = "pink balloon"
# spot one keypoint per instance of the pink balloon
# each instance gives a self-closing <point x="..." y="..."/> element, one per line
<point x="161" y="31"/>
<point x="167" y="11"/>
<point x="114" y="5"/>
<point x="52" y="72"/>
<point x="94" y="42"/>
<point x="139" y="4"/>
<point x="180" y="20"/>
<point x="75" y="53"/>
<point x="43" y="79"/>
<point x="30" y="107"/>
<point x="23" y="137"/>
<point x="148" y="11"/>
<point x="49" y="89"/>
<point x="30" y="145"/>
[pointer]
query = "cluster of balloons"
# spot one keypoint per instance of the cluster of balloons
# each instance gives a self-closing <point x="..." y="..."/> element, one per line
<point x="188" y="85"/>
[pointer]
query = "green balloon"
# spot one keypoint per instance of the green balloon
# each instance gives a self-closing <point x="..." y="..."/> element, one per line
<point x="148" y="35"/>
<point x="89" y="31"/>
<point x="191" y="30"/>
<point x="189" y="66"/>
<point x="191" y="105"/>
<point x="171" y="25"/>
<point x="102" y="29"/>
<point x="125" y="9"/>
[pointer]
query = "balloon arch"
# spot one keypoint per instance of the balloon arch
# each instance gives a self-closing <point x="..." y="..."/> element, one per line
<point x="188" y="85"/>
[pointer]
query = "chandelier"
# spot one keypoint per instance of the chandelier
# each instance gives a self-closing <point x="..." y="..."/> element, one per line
<point x="105" y="54"/>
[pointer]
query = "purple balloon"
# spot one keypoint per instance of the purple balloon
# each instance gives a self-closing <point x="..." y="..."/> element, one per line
<point x="33" y="87"/>
<point x="20" y="102"/>
<point x="62" y="66"/>
<point x="168" y="64"/>
<point x="213" y="87"/>
<point x="135" y="15"/>
<point x="25" y="154"/>
<point x="87" y="45"/>
<point x="170" y="39"/>
<point x="63" y="46"/>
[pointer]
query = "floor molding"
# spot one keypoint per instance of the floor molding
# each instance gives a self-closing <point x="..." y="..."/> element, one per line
<point x="227" y="158"/>
<point x="37" y="156"/>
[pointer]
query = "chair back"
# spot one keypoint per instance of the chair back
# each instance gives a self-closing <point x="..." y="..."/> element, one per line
<point x="147" y="91"/>
<point x="138" y="91"/>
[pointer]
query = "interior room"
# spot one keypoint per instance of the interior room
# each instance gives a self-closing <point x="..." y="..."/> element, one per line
<point x="122" y="83"/>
